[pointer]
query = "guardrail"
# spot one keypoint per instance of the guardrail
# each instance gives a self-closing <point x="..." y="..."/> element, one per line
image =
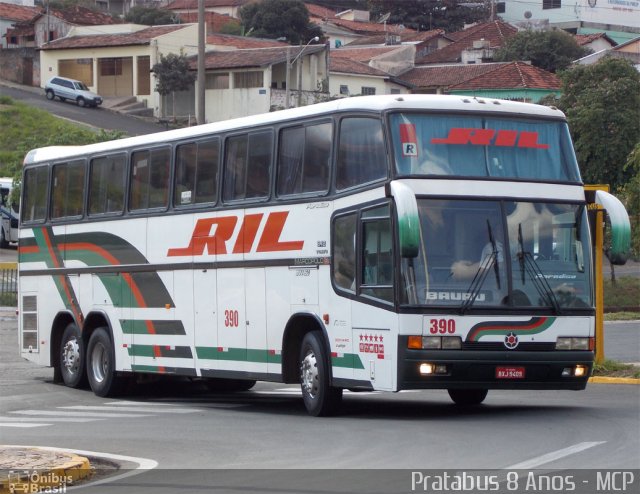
<point x="8" y="284"/>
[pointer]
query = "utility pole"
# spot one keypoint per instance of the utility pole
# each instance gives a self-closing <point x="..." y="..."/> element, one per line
<point x="287" y="81"/>
<point x="201" y="68"/>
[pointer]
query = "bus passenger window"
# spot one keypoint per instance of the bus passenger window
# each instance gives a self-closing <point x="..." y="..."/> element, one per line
<point x="67" y="195"/>
<point x="207" y="171"/>
<point x="343" y="251"/>
<point x="34" y="206"/>
<point x="259" y="165"/>
<point x="247" y="166"/>
<point x="149" y="179"/>
<point x="186" y="165"/>
<point x="304" y="159"/>
<point x="107" y="182"/>
<point x="361" y="152"/>
<point x="196" y="173"/>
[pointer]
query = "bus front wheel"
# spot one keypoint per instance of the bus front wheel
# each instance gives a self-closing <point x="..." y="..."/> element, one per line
<point x="468" y="397"/>
<point x="319" y="398"/>
<point x="101" y="365"/>
<point x="71" y="363"/>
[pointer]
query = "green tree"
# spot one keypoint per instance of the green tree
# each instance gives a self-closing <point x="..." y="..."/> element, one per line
<point x="424" y="15"/>
<point x="549" y="50"/>
<point x="630" y="196"/>
<point x="602" y="104"/>
<point x="173" y="74"/>
<point x="150" y="16"/>
<point x="279" y="19"/>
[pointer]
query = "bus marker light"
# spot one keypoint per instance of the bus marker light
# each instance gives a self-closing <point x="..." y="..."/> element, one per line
<point x="427" y="369"/>
<point x="325" y="318"/>
<point x="581" y="371"/>
<point x="415" y="342"/>
<point x="441" y="369"/>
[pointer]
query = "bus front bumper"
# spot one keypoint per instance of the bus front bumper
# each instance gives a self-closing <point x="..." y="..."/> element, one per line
<point x="509" y="369"/>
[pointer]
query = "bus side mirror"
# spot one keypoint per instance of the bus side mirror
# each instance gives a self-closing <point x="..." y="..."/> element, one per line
<point x="620" y="227"/>
<point x="408" y="218"/>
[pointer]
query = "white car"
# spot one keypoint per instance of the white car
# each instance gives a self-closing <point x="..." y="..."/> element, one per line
<point x="70" y="89"/>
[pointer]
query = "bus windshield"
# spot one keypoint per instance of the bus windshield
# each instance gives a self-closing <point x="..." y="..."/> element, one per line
<point x="487" y="253"/>
<point x="483" y="146"/>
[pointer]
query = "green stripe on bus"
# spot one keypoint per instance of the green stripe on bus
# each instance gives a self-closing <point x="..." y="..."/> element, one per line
<point x="239" y="355"/>
<point x="348" y="361"/>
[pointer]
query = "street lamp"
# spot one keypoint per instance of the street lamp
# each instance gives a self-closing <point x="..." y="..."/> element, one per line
<point x="315" y="39"/>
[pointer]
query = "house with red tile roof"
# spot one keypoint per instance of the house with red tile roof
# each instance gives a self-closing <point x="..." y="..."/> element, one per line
<point x="350" y="77"/>
<point x="10" y="15"/>
<point x="229" y="8"/>
<point x="115" y="60"/>
<point x="229" y="41"/>
<point x="342" y="28"/>
<point x="214" y="22"/>
<point x="506" y="80"/>
<point x="596" y="41"/>
<point x="629" y="50"/>
<point x="249" y="81"/>
<point x="476" y="44"/>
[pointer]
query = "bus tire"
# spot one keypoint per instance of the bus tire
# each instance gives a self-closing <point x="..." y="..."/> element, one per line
<point x="229" y="385"/>
<point x="72" y="356"/>
<point x="319" y="398"/>
<point x="101" y="365"/>
<point x="468" y="397"/>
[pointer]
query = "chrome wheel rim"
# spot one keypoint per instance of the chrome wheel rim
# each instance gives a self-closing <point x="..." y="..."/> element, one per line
<point x="99" y="363"/>
<point x="309" y="374"/>
<point x="71" y="356"/>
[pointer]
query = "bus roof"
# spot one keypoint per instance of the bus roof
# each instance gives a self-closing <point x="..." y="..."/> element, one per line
<point x="366" y="103"/>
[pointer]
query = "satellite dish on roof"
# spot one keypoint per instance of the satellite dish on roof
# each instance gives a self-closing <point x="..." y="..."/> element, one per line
<point x="527" y="14"/>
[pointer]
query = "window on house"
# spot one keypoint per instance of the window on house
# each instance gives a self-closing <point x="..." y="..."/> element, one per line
<point x="248" y="79"/>
<point x="500" y="8"/>
<point x="217" y="81"/>
<point x="394" y="90"/>
<point x="551" y="4"/>
<point x="344" y="89"/>
<point x="144" y="75"/>
<point x="110" y="66"/>
<point x="67" y="193"/>
<point x="368" y="91"/>
<point x="107" y="179"/>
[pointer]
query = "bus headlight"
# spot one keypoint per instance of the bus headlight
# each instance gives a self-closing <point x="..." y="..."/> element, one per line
<point x="566" y="343"/>
<point x="434" y="342"/>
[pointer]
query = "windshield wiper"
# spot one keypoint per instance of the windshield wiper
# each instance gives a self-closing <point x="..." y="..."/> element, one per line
<point x="529" y="265"/>
<point x="481" y="274"/>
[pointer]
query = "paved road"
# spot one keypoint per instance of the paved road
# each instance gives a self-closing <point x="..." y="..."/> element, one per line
<point x="94" y="117"/>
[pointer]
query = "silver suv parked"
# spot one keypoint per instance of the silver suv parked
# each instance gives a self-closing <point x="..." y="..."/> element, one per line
<point x="71" y="89"/>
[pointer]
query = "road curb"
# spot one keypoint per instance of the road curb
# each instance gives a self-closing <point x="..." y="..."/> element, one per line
<point x="613" y="380"/>
<point x="30" y="469"/>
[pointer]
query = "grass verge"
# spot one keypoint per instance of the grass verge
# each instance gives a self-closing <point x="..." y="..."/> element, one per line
<point x="612" y="368"/>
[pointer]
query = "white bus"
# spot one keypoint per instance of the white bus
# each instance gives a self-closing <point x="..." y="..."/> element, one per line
<point x="9" y="212"/>
<point x="372" y="243"/>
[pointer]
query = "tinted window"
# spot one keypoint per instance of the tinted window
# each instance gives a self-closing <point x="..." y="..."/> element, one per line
<point x="107" y="182"/>
<point x="150" y="179"/>
<point x="304" y="159"/>
<point x="67" y="194"/>
<point x="377" y="269"/>
<point x="344" y="252"/>
<point x="34" y="206"/>
<point x="361" y="152"/>
<point x="247" y="166"/>
<point x="196" y="173"/>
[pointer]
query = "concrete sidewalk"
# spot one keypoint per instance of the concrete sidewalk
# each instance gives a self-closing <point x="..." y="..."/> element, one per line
<point x="30" y="469"/>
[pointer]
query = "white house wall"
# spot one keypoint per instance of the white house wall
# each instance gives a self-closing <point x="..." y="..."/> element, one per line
<point x="355" y="84"/>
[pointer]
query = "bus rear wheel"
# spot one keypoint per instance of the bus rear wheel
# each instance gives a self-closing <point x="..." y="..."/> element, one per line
<point x="468" y="397"/>
<point x="320" y="399"/>
<point x="71" y="363"/>
<point x="101" y="365"/>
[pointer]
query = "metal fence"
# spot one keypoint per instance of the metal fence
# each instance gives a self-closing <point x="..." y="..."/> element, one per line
<point x="8" y="284"/>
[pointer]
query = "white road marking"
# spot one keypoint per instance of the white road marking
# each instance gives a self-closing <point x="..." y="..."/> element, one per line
<point x="139" y="403"/>
<point x="21" y="424"/>
<point x="92" y="408"/>
<point x="68" y="413"/>
<point x="49" y="419"/>
<point x="554" y="455"/>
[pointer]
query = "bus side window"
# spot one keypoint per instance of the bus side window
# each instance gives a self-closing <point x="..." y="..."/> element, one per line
<point x="67" y="189"/>
<point x="361" y="152"/>
<point x="343" y="260"/>
<point x="107" y="182"/>
<point x="36" y="181"/>
<point x="149" y="179"/>
<point x="207" y="171"/>
<point x="377" y="269"/>
<point x="259" y="165"/>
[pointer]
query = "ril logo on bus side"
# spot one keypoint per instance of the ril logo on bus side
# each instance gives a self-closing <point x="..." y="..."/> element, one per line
<point x="212" y="234"/>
